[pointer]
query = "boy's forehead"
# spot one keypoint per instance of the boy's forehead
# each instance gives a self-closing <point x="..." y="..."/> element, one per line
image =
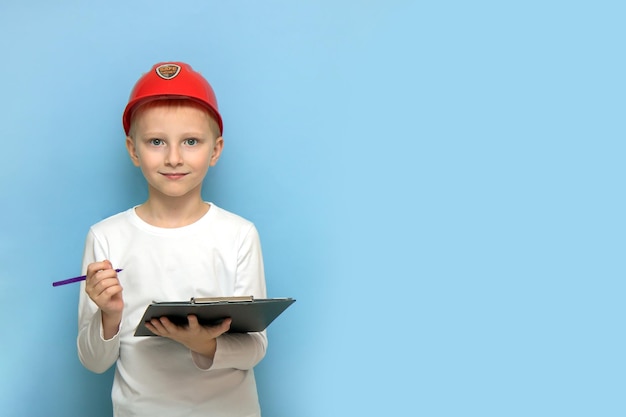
<point x="171" y="104"/>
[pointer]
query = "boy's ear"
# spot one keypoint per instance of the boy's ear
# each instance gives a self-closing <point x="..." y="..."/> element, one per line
<point x="132" y="150"/>
<point x="217" y="150"/>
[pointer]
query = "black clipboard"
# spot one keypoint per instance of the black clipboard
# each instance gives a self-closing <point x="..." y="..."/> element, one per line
<point x="248" y="314"/>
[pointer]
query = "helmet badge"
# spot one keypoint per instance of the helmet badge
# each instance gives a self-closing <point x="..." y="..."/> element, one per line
<point x="167" y="71"/>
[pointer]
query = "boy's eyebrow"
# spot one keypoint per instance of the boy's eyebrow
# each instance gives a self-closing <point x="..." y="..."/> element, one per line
<point x="197" y="134"/>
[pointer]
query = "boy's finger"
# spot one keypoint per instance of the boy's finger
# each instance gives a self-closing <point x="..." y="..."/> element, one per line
<point x="153" y="329"/>
<point x="193" y="321"/>
<point x="94" y="268"/>
<point x="158" y="325"/>
<point x="111" y="290"/>
<point x="226" y="324"/>
<point x="102" y="284"/>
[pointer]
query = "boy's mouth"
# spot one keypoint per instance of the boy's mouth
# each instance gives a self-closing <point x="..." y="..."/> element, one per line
<point x="173" y="175"/>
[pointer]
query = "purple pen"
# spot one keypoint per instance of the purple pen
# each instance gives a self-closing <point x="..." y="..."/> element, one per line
<point x="75" y="279"/>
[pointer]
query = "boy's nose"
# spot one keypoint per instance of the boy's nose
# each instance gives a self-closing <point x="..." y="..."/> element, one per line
<point x="173" y="157"/>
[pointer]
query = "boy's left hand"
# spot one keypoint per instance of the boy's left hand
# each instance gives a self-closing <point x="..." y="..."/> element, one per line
<point x="196" y="337"/>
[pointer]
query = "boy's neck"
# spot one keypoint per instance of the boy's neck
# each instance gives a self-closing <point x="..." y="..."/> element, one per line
<point x="172" y="213"/>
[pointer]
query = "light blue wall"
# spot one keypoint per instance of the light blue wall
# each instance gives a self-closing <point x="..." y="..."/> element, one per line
<point x="441" y="187"/>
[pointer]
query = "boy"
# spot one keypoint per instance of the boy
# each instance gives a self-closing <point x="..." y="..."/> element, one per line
<point x="172" y="247"/>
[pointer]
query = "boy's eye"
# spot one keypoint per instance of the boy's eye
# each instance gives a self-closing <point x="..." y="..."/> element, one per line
<point x="191" y="141"/>
<point x="156" y="142"/>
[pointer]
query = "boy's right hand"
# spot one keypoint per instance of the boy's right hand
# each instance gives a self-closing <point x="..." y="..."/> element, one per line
<point x="103" y="287"/>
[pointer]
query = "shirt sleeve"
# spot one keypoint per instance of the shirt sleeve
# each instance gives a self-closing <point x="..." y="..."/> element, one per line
<point x="243" y="350"/>
<point x="94" y="352"/>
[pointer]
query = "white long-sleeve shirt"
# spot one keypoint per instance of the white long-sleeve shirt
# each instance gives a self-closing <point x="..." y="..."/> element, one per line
<point x="219" y="255"/>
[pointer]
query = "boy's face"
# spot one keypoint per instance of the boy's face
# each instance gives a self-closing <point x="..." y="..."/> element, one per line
<point x="174" y="146"/>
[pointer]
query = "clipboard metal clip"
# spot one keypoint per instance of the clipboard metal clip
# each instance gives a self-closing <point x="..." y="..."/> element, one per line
<point x="209" y="300"/>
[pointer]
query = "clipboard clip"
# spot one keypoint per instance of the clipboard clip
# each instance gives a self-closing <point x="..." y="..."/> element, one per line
<point x="209" y="300"/>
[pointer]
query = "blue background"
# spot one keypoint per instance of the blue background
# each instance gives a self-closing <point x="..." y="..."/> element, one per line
<point x="440" y="185"/>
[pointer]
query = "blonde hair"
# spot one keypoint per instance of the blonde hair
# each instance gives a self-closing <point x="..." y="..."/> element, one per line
<point x="173" y="103"/>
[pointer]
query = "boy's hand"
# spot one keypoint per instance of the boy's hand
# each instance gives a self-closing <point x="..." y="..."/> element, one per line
<point x="198" y="338"/>
<point x="105" y="290"/>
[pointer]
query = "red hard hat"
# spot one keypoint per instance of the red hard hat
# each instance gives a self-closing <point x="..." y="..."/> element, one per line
<point x="171" y="80"/>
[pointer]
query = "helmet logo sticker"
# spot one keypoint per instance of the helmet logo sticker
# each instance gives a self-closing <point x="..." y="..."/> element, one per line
<point x="167" y="71"/>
